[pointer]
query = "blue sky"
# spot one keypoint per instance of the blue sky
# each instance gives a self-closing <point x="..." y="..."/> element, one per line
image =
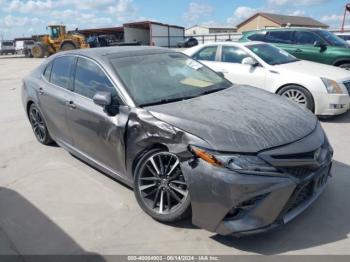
<point x="27" y="17"/>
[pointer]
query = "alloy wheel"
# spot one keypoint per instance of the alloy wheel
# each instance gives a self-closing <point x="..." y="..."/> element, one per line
<point x="38" y="124"/>
<point x="296" y="96"/>
<point x="162" y="185"/>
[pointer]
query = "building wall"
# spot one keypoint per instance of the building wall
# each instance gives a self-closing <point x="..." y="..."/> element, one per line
<point x="197" y="30"/>
<point x="136" y="34"/>
<point x="258" y="22"/>
<point x="176" y="35"/>
<point x="164" y="36"/>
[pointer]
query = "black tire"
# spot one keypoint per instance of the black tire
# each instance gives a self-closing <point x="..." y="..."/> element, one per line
<point x="38" y="125"/>
<point x="177" y="202"/>
<point x="39" y="50"/>
<point x="298" y="94"/>
<point x="67" y="46"/>
<point x="345" y="65"/>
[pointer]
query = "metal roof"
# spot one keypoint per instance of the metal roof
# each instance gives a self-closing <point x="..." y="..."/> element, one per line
<point x="284" y="20"/>
<point x="117" y="51"/>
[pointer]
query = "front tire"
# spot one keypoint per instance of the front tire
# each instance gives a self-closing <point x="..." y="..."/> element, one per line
<point x="299" y="95"/>
<point x="39" y="50"/>
<point x="67" y="47"/>
<point x="160" y="187"/>
<point x="39" y="126"/>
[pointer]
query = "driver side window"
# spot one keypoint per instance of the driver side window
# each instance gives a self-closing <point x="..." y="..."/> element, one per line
<point x="232" y="54"/>
<point x="306" y="38"/>
<point x="90" y="79"/>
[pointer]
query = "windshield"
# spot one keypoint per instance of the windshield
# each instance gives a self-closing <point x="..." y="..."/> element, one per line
<point x="331" y="38"/>
<point x="163" y="78"/>
<point x="271" y="55"/>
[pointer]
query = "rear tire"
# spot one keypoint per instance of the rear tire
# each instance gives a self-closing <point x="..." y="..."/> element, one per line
<point x="298" y="95"/>
<point x="38" y="125"/>
<point x="160" y="187"/>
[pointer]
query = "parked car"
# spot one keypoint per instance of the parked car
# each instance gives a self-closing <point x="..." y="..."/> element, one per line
<point x="27" y="47"/>
<point x="321" y="88"/>
<point x="316" y="45"/>
<point x="7" y="47"/>
<point x="344" y="36"/>
<point x="188" y="42"/>
<point x="241" y="159"/>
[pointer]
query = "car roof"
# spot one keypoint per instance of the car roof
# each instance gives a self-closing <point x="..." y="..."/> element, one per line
<point x="117" y="51"/>
<point x="284" y="29"/>
<point x="233" y="43"/>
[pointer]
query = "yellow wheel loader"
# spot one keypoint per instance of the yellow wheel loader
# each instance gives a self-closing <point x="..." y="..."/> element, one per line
<point x="58" y="40"/>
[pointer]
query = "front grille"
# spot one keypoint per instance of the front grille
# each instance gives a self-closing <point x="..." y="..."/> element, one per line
<point x="347" y="85"/>
<point x="298" y="172"/>
<point x="301" y="194"/>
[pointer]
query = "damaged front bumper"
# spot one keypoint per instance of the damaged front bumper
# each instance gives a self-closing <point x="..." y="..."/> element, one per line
<point x="228" y="202"/>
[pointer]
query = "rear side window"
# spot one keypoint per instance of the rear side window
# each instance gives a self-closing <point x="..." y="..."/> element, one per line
<point x="258" y="37"/>
<point x="306" y="38"/>
<point x="232" y="54"/>
<point x="283" y="37"/>
<point x="90" y="79"/>
<point x="207" y="53"/>
<point x="61" y="71"/>
<point x="47" y="72"/>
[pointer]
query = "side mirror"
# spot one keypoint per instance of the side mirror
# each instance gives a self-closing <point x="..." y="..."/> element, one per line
<point x="249" y="61"/>
<point x="320" y="44"/>
<point x="102" y="98"/>
<point x="221" y="74"/>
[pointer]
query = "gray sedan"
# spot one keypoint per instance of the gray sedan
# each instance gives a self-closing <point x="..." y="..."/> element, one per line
<point x="239" y="160"/>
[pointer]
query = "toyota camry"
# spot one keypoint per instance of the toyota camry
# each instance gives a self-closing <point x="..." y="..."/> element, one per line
<point x="237" y="159"/>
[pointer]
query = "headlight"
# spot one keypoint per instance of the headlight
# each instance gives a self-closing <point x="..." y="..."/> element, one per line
<point x="332" y="86"/>
<point x="249" y="164"/>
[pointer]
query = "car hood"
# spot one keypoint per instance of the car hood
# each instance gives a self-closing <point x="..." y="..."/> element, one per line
<point x="239" y="119"/>
<point x="315" y="69"/>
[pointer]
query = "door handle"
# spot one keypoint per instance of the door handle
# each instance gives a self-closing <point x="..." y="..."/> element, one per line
<point x="224" y="71"/>
<point x="71" y="104"/>
<point x="298" y="50"/>
<point x="41" y="91"/>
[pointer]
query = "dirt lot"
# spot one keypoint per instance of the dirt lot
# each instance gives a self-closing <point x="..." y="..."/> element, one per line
<point x="52" y="203"/>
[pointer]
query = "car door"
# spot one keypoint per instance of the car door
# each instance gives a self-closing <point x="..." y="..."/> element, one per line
<point x="96" y="134"/>
<point x="305" y="49"/>
<point x="230" y="64"/>
<point x="54" y="91"/>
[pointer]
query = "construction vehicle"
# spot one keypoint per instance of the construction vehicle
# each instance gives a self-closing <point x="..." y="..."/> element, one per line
<point x="58" y="40"/>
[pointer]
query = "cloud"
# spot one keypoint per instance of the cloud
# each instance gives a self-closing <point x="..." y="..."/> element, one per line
<point x="122" y="10"/>
<point x="332" y="18"/>
<point x="196" y="10"/>
<point x="241" y="13"/>
<point x="296" y="2"/>
<point x="87" y="4"/>
<point x="297" y="13"/>
<point x="31" y="6"/>
<point x="11" y="21"/>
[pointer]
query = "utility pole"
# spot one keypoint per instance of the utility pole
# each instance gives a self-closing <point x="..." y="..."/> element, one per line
<point x="346" y="9"/>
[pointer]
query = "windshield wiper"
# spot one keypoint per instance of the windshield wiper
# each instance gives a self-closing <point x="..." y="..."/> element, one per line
<point x="167" y="100"/>
<point x="212" y="91"/>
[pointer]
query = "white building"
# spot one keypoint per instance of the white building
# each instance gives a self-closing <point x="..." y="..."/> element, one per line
<point x="206" y="30"/>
